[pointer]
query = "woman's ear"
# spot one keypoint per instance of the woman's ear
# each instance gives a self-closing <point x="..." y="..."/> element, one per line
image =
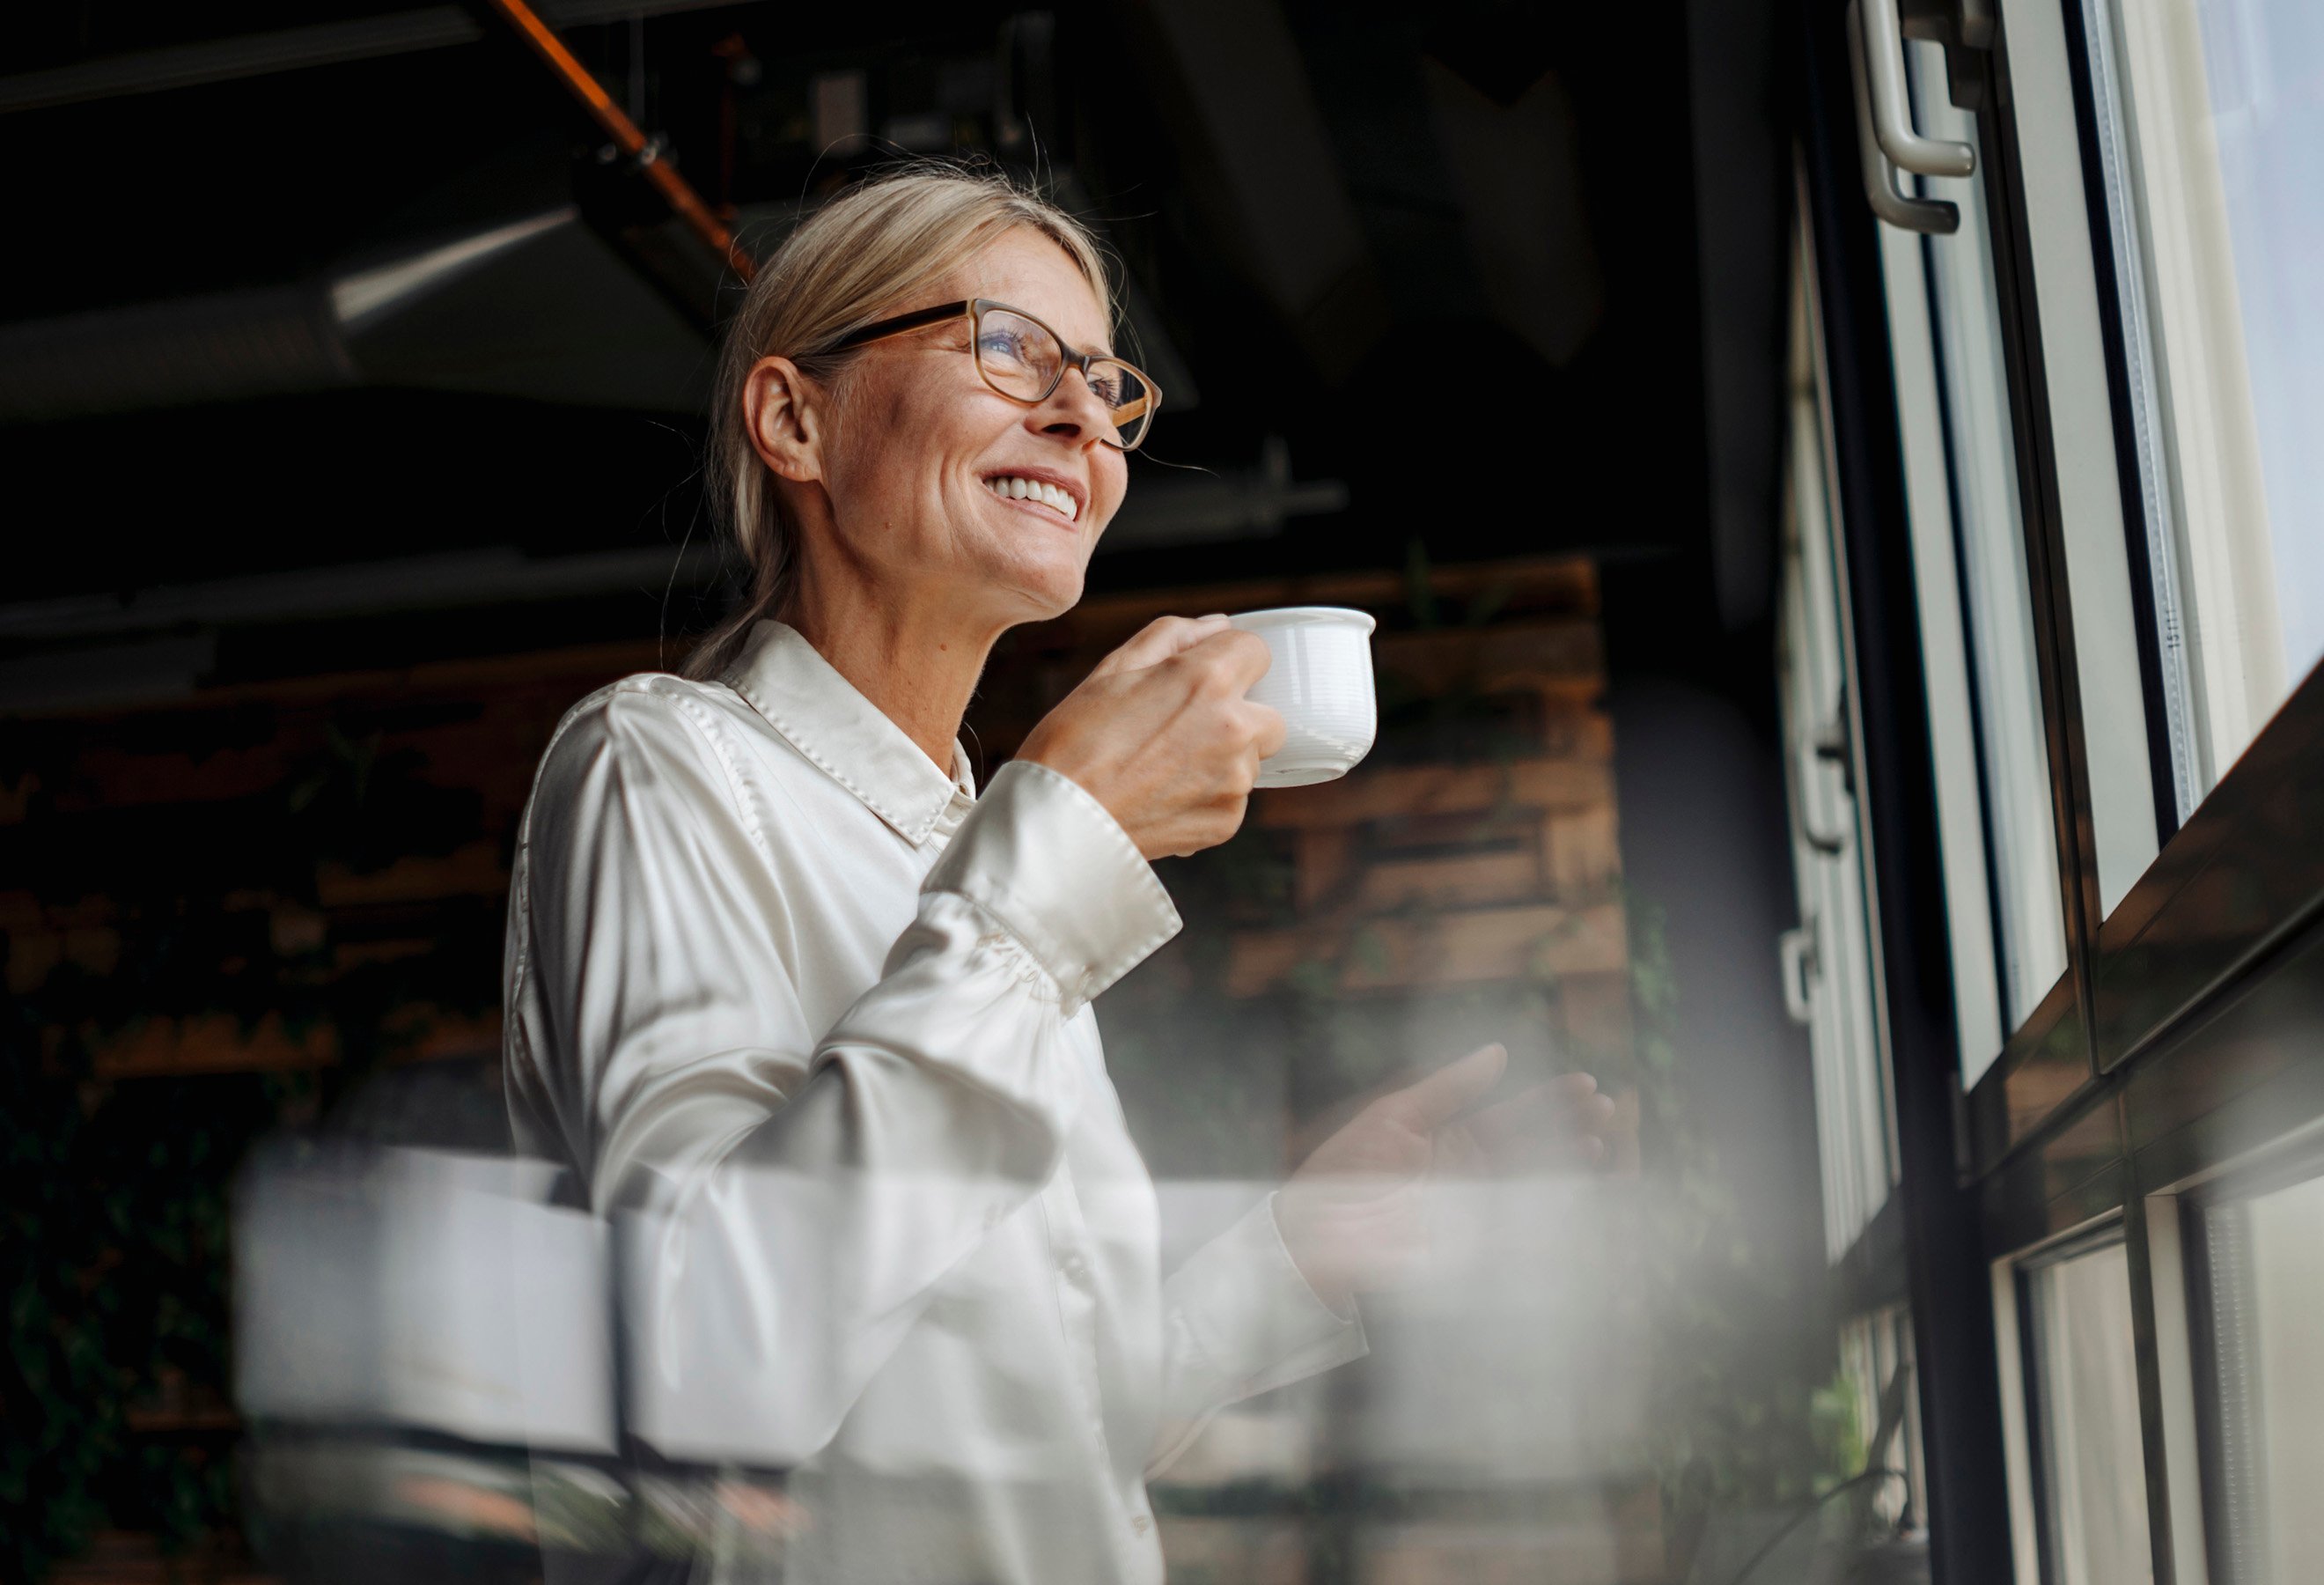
<point x="782" y="412"/>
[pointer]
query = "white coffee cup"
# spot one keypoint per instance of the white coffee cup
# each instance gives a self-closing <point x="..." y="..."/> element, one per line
<point x="1321" y="682"/>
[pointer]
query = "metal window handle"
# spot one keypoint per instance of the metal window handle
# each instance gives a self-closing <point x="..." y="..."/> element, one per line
<point x="1835" y="741"/>
<point x="1797" y="951"/>
<point x="1930" y="217"/>
<point x="1830" y="843"/>
<point x="1827" y="745"/>
<point x="1892" y="103"/>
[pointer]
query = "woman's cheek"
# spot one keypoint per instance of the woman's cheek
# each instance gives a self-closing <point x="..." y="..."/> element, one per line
<point x="1108" y="503"/>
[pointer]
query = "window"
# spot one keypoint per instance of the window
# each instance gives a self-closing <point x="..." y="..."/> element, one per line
<point x="1997" y="822"/>
<point x="2210" y="133"/>
<point x="2262" y="1272"/>
<point x="2082" y="1390"/>
<point x="1875" y="1358"/>
<point x="2114" y="504"/>
<point x="2080" y="491"/>
<point x="1830" y="962"/>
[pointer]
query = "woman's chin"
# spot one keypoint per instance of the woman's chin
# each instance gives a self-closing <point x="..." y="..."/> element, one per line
<point x="1045" y="591"/>
<point x="1056" y="602"/>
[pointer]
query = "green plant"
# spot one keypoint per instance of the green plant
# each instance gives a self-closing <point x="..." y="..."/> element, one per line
<point x="1734" y="1422"/>
<point x="116" y="1278"/>
<point x="114" y="1247"/>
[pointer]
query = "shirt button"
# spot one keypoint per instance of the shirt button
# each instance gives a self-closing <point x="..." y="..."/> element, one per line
<point x="1073" y="1265"/>
<point x="992" y="1217"/>
<point x="1141" y="1524"/>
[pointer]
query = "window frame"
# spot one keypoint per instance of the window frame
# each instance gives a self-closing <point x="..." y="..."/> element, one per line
<point x="2126" y="998"/>
<point x="2172" y="1047"/>
<point x="1857" y="1139"/>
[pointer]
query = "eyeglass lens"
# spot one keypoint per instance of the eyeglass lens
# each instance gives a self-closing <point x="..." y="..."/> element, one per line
<point x="1021" y="359"/>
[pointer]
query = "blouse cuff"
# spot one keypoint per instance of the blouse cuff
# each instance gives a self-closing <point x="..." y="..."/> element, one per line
<point x="1058" y="871"/>
<point x="1254" y="1316"/>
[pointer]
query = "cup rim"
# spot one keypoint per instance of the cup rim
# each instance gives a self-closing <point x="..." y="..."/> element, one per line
<point x="1320" y="615"/>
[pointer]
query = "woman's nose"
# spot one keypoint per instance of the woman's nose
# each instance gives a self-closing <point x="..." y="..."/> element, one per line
<point x="1074" y="411"/>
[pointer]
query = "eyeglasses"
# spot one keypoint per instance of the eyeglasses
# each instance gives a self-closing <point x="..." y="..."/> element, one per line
<point x="1025" y="360"/>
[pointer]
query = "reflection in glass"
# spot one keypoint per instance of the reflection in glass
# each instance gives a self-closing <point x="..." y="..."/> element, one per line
<point x="2266" y="1274"/>
<point x="450" y="1368"/>
<point x="2210" y="116"/>
<point x="1876" y="1356"/>
<point x="2085" y="1389"/>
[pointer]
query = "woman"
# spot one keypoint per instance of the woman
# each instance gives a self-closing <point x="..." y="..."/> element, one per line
<point x="787" y="990"/>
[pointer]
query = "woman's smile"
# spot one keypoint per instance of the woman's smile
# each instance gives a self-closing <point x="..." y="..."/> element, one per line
<point x="1039" y="491"/>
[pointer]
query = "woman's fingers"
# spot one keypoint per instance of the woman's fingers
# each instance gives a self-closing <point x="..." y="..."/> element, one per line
<point x="1271" y="731"/>
<point x="1433" y="1102"/>
<point x="1157" y="641"/>
<point x="1565" y="1116"/>
<point x="1225" y="660"/>
<point x="1163" y="735"/>
<point x="1458" y="1154"/>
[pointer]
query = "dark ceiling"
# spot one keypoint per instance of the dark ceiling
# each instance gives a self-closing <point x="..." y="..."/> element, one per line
<point x="304" y="287"/>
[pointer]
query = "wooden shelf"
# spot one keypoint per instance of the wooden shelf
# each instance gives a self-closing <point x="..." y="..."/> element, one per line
<point x="1563" y="657"/>
<point x="119" y="1557"/>
<point x="473" y="870"/>
<point x="1539" y="940"/>
<point x="1406" y="793"/>
<point x="213" y="1044"/>
<point x="1566" y="585"/>
<point x="181" y="1423"/>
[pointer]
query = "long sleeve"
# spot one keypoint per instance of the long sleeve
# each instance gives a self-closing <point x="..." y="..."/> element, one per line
<point x="789" y="1200"/>
<point x="1239" y="1320"/>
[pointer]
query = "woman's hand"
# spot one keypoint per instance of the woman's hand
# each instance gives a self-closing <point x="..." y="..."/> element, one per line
<point x="1161" y="733"/>
<point x="1353" y="1215"/>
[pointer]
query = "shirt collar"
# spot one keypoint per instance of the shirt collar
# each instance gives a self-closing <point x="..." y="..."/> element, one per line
<point x="782" y="677"/>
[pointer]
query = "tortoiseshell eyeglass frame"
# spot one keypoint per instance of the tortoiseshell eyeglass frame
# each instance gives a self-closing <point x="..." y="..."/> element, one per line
<point x="973" y="310"/>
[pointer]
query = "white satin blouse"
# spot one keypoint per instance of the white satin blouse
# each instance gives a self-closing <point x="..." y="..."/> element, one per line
<point x="811" y="1021"/>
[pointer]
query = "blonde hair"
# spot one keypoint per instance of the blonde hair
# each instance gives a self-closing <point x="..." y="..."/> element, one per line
<point x="865" y="254"/>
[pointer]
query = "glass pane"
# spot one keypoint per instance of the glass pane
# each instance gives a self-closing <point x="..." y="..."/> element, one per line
<point x="1969" y="485"/>
<point x="2086" y="1404"/>
<point x="2211" y="123"/>
<point x="2095" y="520"/>
<point x="2267" y="1466"/>
<point x="1831" y="957"/>
<point x="1875" y="1358"/>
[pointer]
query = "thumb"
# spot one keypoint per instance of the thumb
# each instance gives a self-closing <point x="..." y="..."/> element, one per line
<point x="1435" y="1101"/>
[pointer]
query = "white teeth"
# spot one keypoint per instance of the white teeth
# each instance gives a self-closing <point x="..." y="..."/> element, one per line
<point x="1028" y="489"/>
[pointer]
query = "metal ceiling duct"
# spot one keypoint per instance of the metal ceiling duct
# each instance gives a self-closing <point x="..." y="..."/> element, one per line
<point x="232" y="346"/>
<point x="324" y="43"/>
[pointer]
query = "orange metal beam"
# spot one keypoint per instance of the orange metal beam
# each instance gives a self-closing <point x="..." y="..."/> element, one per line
<point x="683" y="200"/>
